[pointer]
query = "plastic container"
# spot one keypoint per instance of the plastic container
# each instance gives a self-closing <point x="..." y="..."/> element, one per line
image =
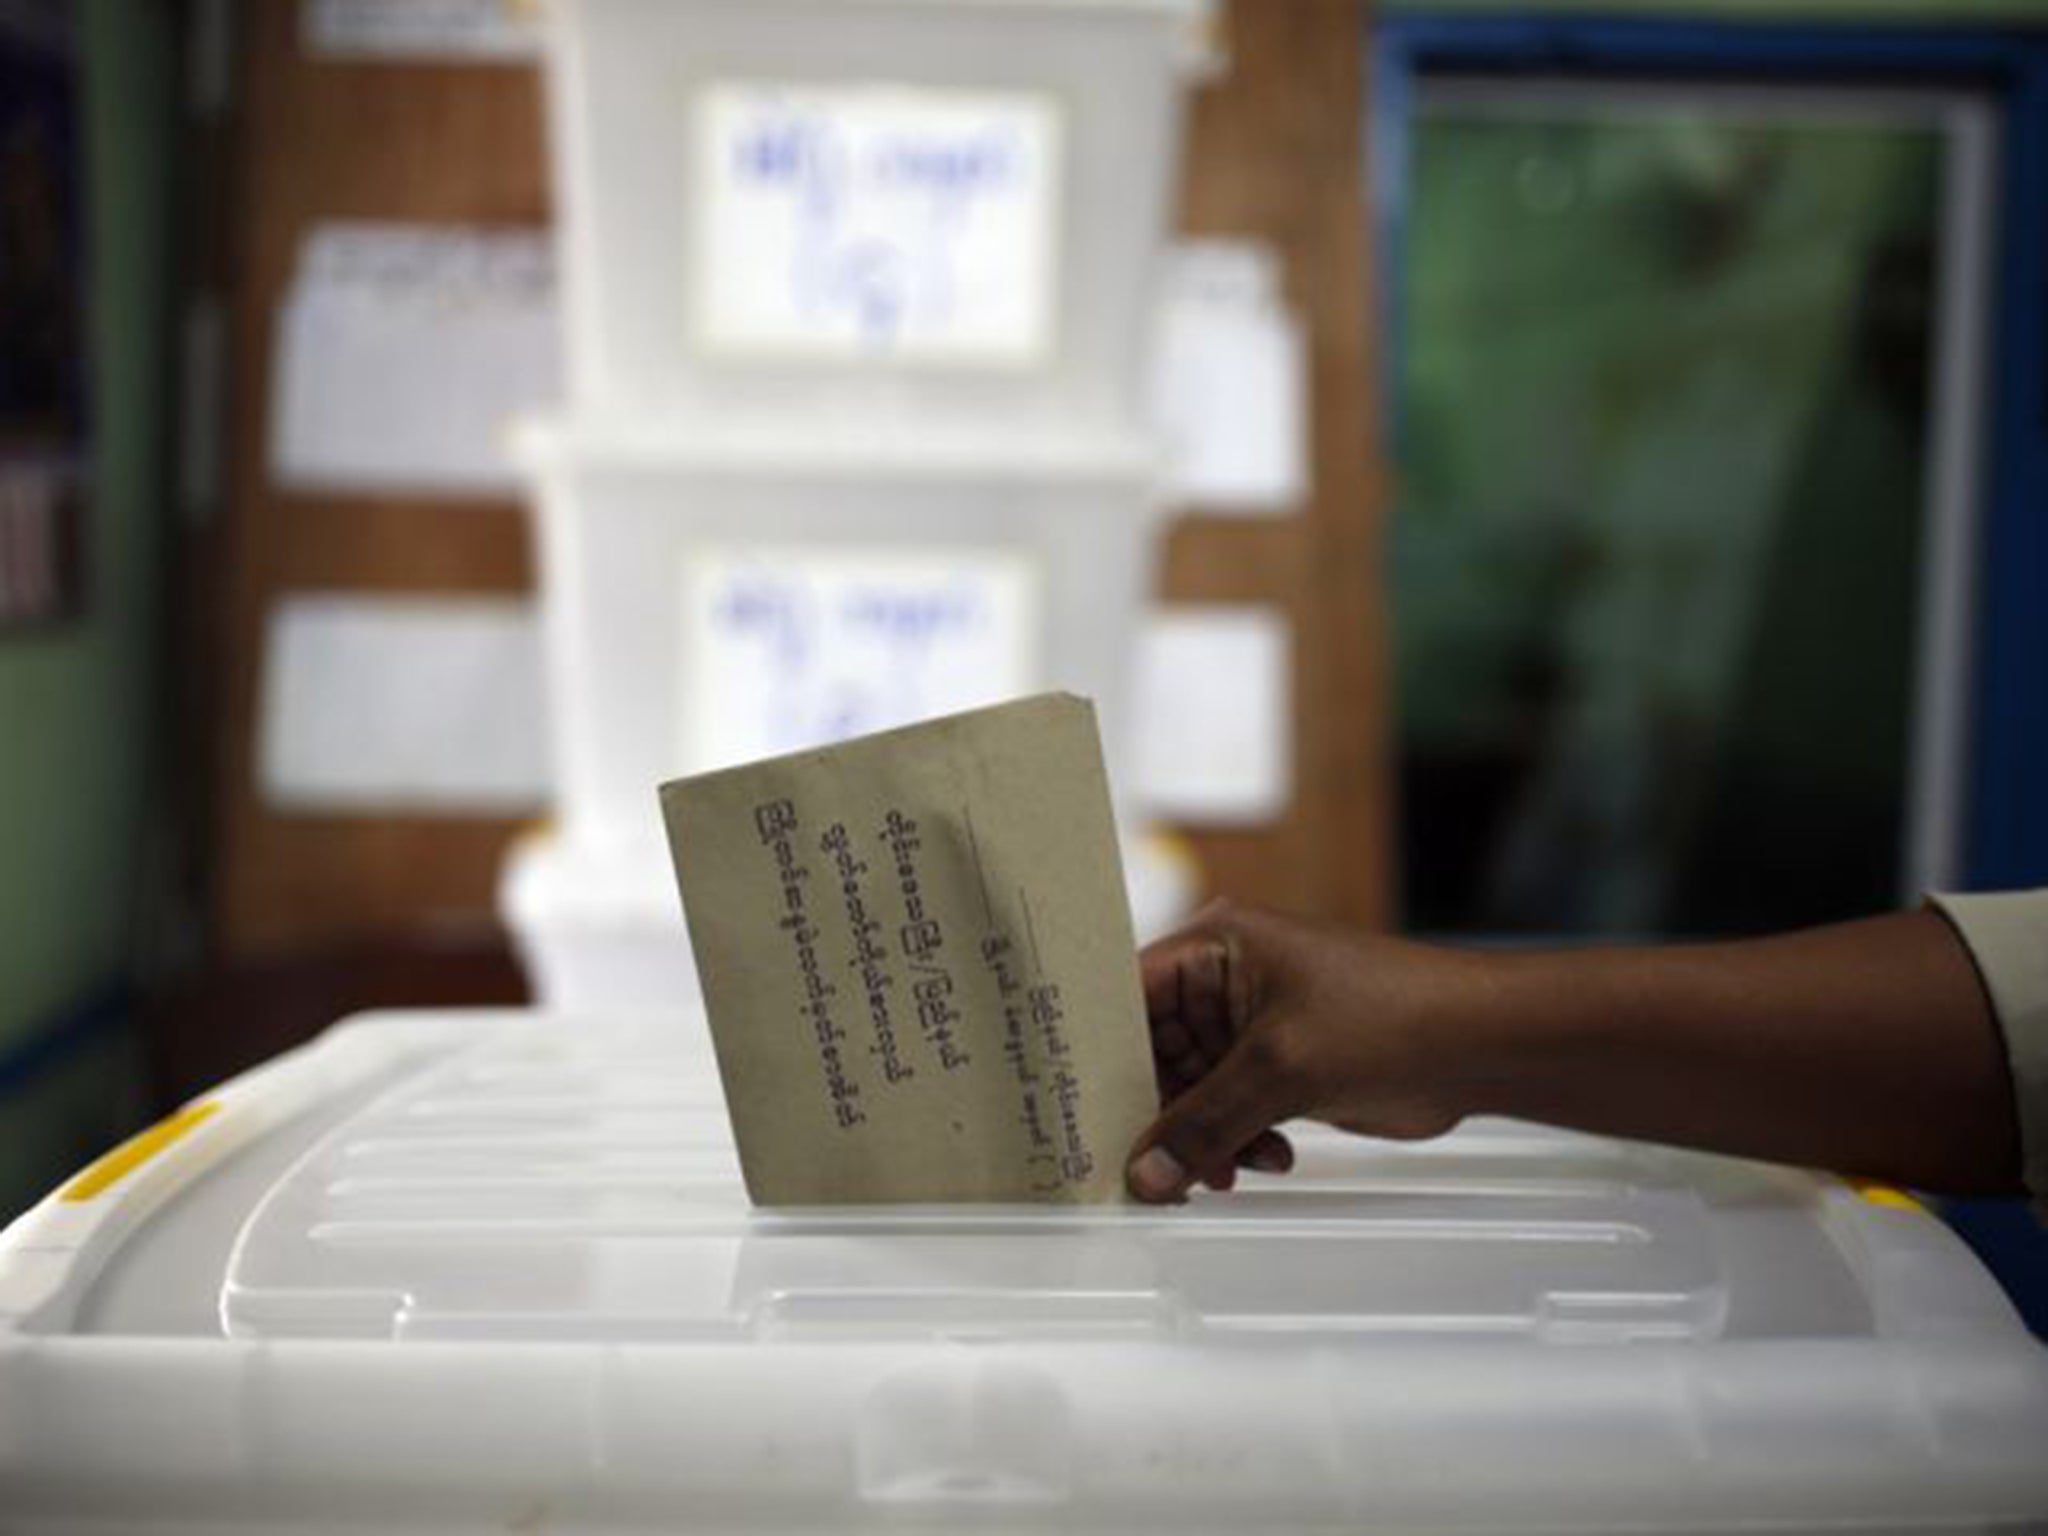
<point x="861" y="215"/>
<point x="658" y="637"/>
<point x="598" y="931"/>
<point x="496" y="1271"/>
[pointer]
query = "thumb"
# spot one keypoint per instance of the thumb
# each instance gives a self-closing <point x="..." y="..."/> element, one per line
<point x="1201" y="1132"/>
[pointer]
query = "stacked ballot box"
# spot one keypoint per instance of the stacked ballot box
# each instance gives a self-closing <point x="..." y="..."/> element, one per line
<point x="856" y="297"/>
<point x="900" y="216"/>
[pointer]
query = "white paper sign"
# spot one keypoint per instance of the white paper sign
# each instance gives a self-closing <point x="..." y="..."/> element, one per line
<point x="404" y="353"/>
<point x="379" y="704"/>
<point x="461" y="31"/>
<point x="793" y="648"/>
<point x="1229" y="386"/>
<point x="878" y="221"/>
<point x="1215" y="724"/>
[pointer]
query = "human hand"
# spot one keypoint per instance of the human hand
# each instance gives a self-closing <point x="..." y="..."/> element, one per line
<point x="1259" y="1018"/>
<point x="1869" y="1046"/>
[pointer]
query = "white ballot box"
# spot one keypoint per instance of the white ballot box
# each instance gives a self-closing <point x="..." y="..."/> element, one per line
<point x="705" y="604"/>
<point x="898" y="215"/>
<point x="458" y="1272"/>
<point x="599" y="927"/>
<point x="855" y="303"/>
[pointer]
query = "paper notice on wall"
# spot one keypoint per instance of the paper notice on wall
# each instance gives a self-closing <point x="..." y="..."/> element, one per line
<point x="404" y="353"/>
<point x="378" y="705"/>
<point x="1215" y="726"/>
<point x="424" y="31"/>
<point x="788" y="647"/>
<point x="917" y="960"/>
<point x="878" y="221"/>
<point x="1229" y="382"/>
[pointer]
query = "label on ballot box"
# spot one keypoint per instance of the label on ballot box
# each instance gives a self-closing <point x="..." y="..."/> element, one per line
<point x="878" y="221"/>
<point x="917" y="957"/>
<point x="797" y="646"/>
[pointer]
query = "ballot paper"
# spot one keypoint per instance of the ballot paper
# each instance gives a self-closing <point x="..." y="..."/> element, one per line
<point x="916" y="954"/>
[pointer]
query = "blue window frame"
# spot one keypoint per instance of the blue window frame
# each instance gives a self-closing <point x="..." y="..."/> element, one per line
<point x="2005" y="827"/>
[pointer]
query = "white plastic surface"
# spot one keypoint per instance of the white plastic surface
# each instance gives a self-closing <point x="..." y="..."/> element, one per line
<point x="587" y="1188"/>
<point x="443" y="1272"/>
<point x="851" y="216"/>
<point x="625" y="524"/>
<point x="600" y="931"/>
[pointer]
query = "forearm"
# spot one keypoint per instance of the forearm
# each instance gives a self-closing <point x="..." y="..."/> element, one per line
<point x="1865" y="1047"/>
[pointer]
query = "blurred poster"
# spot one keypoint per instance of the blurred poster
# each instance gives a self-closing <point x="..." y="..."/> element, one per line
<point x="793" y="648"/>
<point x="429" y="31"/>
<point x="42" y="335"/>
<point x="1229" y="381"/>
<point x="878" y="221"/>
<point x="1215" y="730"/>
<point x="383" y="705"/>
<point x="404" y="353"/>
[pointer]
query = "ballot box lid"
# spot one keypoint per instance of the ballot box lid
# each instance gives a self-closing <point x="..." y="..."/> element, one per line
<point x="440" y="1270"/>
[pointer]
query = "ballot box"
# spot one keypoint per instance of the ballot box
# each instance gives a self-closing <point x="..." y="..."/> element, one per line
<point x="706" y="604"/>
<point x="895" y="215"/>
<point x="598" y="927"/>
<point x="495" y="1271"/>
<point x="857" y="297"/>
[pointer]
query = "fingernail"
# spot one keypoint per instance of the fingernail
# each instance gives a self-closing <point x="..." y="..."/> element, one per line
<point x="1157" y="1174"/>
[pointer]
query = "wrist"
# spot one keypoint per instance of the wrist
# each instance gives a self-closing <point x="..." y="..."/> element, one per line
<point x="1512" y="1023"/>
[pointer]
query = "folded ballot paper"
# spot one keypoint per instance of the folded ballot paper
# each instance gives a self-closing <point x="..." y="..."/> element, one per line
<point x="916" y="953"/>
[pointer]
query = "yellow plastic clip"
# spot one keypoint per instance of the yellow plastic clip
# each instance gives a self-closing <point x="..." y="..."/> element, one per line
<point x="138" y="1149"/>
<point x="1890" y="1196"/>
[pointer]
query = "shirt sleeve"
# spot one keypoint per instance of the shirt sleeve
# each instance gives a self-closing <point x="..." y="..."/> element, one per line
<point x="2007" y="936"/>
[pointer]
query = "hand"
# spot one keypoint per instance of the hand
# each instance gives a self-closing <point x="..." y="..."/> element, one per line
<point x="1870" y="1046"/>
<point x="1258" y="1019"/>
